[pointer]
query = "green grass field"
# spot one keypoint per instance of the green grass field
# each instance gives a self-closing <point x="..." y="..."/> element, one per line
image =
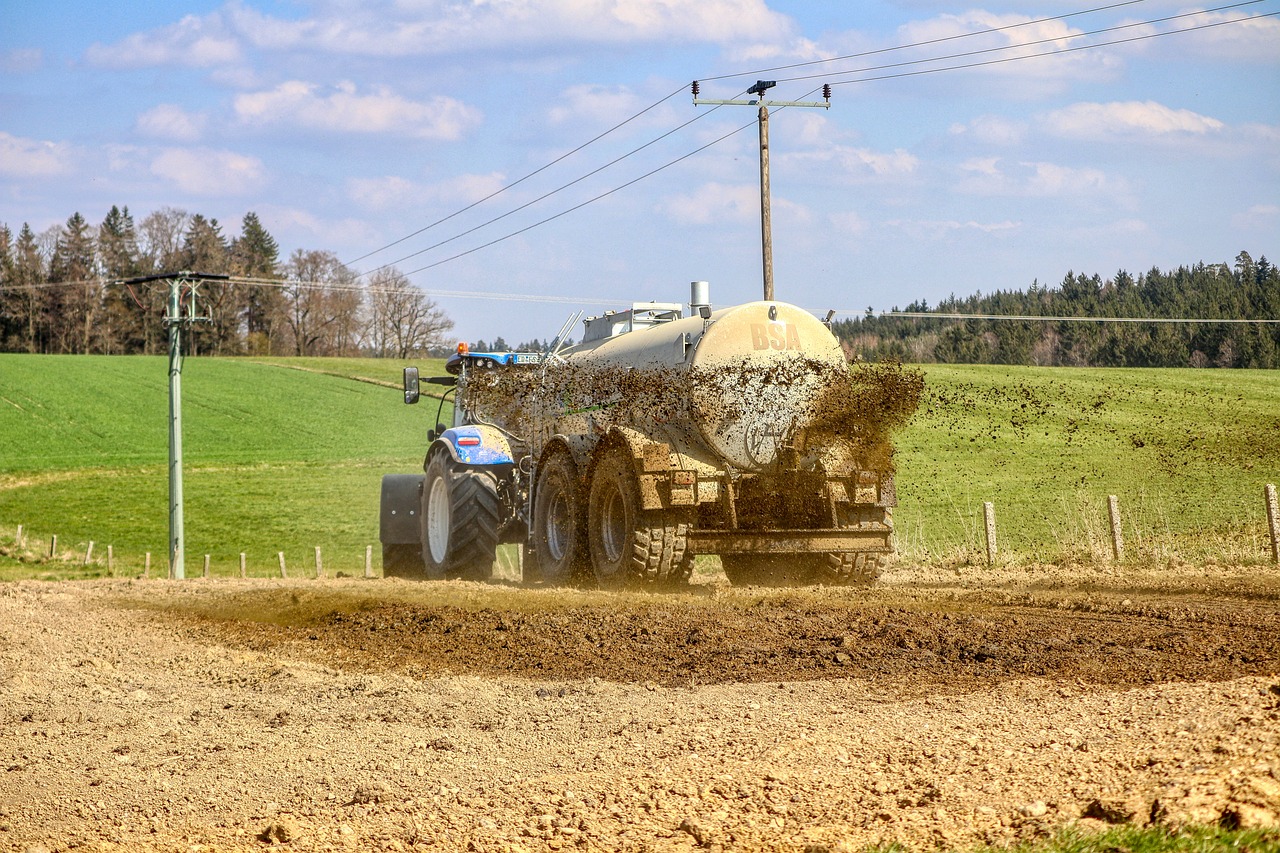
<point x="287" y="454"/>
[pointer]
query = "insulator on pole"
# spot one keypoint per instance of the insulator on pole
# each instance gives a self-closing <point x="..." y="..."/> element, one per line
<point x="826" y="91"/>
<point x="694" y="88"/>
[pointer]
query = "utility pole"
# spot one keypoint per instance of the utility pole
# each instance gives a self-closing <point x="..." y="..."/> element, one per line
<point x="766" y="213"/>
<point x="180" y="313"/>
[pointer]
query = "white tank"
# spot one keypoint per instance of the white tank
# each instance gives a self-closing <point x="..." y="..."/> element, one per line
<point x="736" y="386"/>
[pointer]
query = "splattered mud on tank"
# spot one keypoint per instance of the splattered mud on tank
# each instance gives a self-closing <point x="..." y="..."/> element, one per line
<point x="815" y="405"/>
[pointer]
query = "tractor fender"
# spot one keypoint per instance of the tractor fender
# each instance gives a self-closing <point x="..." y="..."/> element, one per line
<point x="400" y="504"/>
<point x="474" y="444"/>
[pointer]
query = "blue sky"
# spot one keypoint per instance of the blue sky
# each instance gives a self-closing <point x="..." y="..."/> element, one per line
<point x="349" y="124"/>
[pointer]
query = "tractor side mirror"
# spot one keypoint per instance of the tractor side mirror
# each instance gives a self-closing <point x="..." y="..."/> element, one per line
<point x="411" y="393"/>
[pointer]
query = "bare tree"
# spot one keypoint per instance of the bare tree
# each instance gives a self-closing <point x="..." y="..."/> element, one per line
<point x="321" y="303"/>
<point x="402" y="320"/>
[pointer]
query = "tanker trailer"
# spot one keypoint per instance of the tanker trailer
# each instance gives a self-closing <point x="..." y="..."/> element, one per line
<point x="738" y="432"/>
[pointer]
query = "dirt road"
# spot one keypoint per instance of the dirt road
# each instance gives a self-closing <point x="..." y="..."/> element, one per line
<point x="351" y="714"/>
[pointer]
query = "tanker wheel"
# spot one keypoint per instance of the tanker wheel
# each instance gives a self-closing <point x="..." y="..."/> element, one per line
<point x="630" y="546"/>
<point x="860" y="569"/>
<point x="460" y="515"/>
<point x="559" y="538"/>
<point x="402" y="561"/>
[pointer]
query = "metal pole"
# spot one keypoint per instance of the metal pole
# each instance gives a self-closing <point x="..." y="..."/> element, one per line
<point x="176" y="568"/>
<point x="766" y="214"/>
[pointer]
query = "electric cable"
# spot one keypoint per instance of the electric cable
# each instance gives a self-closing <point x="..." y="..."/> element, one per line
<point x="847" y="82"/>
<point x="621" y="124"/>
<point x="518" y="181"/>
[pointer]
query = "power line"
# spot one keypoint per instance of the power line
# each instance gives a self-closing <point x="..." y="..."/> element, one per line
<point x="845" y="82"/>
<point x="583" y="204"/>
<point x="926" y="42"/>
<point x="927" y="315"/>
<point x="1024" y="45"/>
<point x="546" y="195"/>
<point x="519" y="181"/>
<point x="626" y="121"/>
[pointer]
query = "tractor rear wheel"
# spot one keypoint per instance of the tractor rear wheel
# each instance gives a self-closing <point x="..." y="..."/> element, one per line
<point x="460" y="515"/>
<point x="559" y="535"/>
<point x="631" y="546"/>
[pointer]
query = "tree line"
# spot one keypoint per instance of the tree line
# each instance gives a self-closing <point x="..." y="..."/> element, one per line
<point x="1207" y="293"/>
<point x="63" y="291"/>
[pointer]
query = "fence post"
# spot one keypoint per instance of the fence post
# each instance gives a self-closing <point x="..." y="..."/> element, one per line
<point x="206" y="565"/>
<point x="88" y="553"/>
<point x="111" y="565"/>
<point x="1117" y="538"/>
<point x="242" y="564"/>
<point x="17" y="540"/>
<point x="146" y="566"/>
<point x="319" y="564"/>
<point x="989" y="519"/>
<point x="283" y="573"/>
<point x="368" y="561"/>
<point x="53" y="546"/>
<point x="1273" y="521"/>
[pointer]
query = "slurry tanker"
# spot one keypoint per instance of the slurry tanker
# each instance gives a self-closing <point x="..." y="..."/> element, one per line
<point x="741" y="432"/>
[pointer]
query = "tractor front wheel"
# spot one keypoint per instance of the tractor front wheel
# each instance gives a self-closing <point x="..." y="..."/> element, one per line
<point x="460" y="516"/>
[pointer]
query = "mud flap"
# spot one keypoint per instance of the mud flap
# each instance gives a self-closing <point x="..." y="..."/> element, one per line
<point x="401" y="503"/>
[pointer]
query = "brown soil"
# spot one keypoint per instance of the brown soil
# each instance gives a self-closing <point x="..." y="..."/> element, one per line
<point x="346" y="714"/>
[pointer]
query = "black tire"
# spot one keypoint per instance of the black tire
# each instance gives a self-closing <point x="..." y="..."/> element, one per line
<point x="559" y="539"/>
<point x="460" y="517"/>
<point x="629" y="546"/>
<point x="861" y="569"/>
<point x="402" y="561"/>
<point x="858" y="569"/>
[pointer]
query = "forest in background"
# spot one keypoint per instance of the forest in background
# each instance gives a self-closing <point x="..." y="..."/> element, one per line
<point x="58" y="294"/>
<point x="1249" y="290"/>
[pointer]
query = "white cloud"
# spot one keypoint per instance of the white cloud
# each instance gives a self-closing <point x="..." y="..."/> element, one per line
<point x="21" y="60"/>
<point x="1016" y="37"/>
<point x="393" y="192"/>
<point x="1127" y="118"/>
<point x="842" y="162"/>
<point x="297" y="227"/>
<point x="715" y="202"/>
<point x="205" y="171"/>
<point x="32" y="158"/>
<point x="170" y="121"/>
<point x="1230" y="36"/>
<point x="427" y="27"/>
<point x="343" y="109"/>
<point x="991" y="130"/>
<point x="848" y="223"/>
<point x="194" y="41"/>
<point x="1257" y="216"/>
<point x="988" y="176"/>
<point x="936" y="229"/>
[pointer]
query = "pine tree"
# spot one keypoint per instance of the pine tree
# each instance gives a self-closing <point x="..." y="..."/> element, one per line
<point x="79" y="302"/>
<point x="256" y="254"/>
<point x="120" y="258"/>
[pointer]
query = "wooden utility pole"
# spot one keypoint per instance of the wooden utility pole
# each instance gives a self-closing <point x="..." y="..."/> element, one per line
<point x="766" y="208"/>
<point x="766" y="214"/>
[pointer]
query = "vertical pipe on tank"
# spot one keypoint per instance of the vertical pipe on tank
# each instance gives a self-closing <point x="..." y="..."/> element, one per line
<point x="699" y="294"/>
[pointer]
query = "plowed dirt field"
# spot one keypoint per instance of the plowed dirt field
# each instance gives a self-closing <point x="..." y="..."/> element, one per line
<point x="934" y="710"/>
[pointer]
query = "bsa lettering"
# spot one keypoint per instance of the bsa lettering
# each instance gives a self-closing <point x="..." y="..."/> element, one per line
<point x="775" y="336"/>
